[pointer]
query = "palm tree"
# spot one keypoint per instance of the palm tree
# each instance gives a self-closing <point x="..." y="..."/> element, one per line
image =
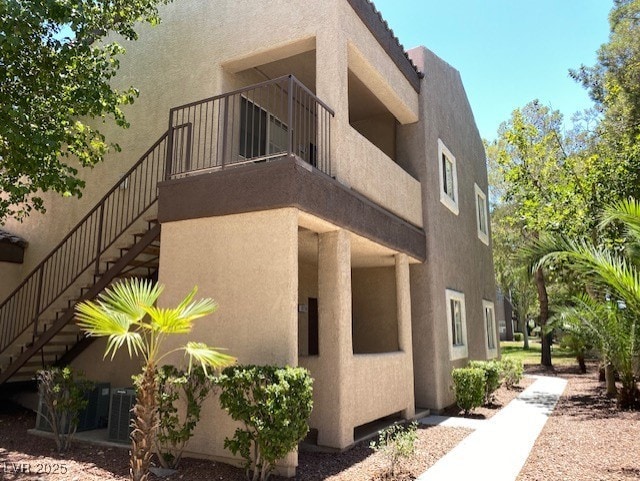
<point x="609" y="275"/>
<point x="126" y="314"/>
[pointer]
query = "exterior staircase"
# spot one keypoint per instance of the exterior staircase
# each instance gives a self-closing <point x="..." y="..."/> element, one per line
<point x="118" y="238"/>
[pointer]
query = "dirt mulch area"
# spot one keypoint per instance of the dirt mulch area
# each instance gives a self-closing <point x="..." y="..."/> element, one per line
<point x="27" y="457"/>
<point x="361" y="464"/>
<point x="586" y="438"/>
<point x="501" y="397"/>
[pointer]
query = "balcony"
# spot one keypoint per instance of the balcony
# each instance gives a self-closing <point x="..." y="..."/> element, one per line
<point x="283" y="118"/>
<point x="273" y="119"/>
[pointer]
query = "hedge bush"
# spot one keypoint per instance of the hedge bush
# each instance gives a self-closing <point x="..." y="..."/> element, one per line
<point x="176" y="426"/>
<point x="469" y="387"/>
<point x="518" y="337"/>
<point x="63" y="394"/>
<point x="273" y="403"/>
<point x="492" y="377"/>
<point x="512" y="372"/>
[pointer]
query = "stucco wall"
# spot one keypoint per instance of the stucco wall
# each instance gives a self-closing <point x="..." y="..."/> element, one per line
<point x="205" y="48"/>
<point x="96" y="367"/>
<point x="248" y="264"/>
<point x="370" y="172"/>
<point x="375" y="319"/>
<point x="457" y="258"/>
<point x="10" y="274"/>
<point x="381" y="131"/>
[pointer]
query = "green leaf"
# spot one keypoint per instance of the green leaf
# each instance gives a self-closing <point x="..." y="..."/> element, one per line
<point x="207" y="356"/>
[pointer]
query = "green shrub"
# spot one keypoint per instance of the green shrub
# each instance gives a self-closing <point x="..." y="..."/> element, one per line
<point x="396" y="443"/>
<point x="274" y="404"/>
<point x="512" y="372"/>
<point x="492" y="377"/>
<point x="518" y="337"/>
<point x="469" y="387"/>
<point x="63" y="394"/>
<point x="176" y="427"/>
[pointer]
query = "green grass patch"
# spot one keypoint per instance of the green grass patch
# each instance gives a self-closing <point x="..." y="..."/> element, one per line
<point x="515" y="350"/>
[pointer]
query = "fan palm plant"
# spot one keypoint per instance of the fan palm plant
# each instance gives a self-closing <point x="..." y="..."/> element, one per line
<point x="609" y="275"/>
<point x="126" y="314"/>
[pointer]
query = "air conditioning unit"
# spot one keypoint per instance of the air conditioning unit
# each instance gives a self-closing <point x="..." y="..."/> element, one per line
<point x="93" y="416"/>
<point x="120" y="415"/>
<point x="96" y="414"/>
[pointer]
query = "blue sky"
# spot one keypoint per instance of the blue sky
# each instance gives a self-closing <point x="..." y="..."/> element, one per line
<point x="508" y="51"/>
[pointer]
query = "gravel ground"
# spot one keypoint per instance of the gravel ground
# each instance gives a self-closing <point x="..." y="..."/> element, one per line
<point x="28" y="457"/>
<point x="586" y="438"/>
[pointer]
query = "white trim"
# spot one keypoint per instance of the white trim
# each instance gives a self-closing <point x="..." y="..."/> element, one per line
<point x="482" y="235"/>
<point x="460" y="351"/>
<point x="488" y="305"/>
<point x="451" y="203"/>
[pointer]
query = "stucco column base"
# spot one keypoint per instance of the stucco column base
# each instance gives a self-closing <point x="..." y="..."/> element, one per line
<point x="403" y="302"/>
<point x="335" y="427"/>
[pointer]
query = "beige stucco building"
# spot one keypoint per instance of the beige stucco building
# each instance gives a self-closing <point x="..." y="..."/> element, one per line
<point x="329" y="194"/>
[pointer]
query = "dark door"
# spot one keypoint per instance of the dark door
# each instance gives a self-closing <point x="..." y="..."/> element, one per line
<point x="313" y="327"/>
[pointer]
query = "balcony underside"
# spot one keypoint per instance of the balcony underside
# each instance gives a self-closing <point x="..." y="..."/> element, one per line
<point x="286" y="182"/>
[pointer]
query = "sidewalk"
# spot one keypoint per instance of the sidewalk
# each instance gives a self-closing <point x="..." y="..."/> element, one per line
<point x="499" y="447"/>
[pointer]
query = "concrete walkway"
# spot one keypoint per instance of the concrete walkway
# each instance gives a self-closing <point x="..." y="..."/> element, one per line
<point x="499" y="446"/>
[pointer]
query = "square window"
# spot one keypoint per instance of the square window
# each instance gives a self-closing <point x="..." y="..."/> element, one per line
<point x="482" y="216"/>
<point x="457" y="324"/>
<point x="490" y="329"/>
<point x="448" y="178"/>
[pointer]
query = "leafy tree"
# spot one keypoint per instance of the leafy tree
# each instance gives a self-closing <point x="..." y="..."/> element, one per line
<point x="612" y="84"/>
<point x="540" y="181"/>
<point x="512" y="275"/>
<point x="612" y="308"/>
<point x="126" y="314"/>
<point x="576" y="335"/>
<point x="57" y="60"/>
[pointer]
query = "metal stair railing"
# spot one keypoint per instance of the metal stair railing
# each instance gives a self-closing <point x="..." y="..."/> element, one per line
<point x="83" y="247"/>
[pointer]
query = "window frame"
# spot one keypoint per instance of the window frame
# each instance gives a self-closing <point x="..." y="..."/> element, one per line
<point x="488" y="305"/>
<point x="445" y="198"/>
<point x="460" y="351"/>
<point x="482" y="235"/>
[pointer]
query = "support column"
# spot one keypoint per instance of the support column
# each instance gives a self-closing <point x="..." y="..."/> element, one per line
<point x="335" y="340"/>
<point x="332" y="86"/>
<point x="403" y="300"/>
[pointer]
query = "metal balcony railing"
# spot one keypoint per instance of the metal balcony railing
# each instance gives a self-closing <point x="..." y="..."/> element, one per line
<point x="276" y="118"/>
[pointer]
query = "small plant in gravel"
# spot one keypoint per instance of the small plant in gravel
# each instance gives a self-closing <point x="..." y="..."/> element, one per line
<point x="469" y="387"/>
<point x="396" y="444"/>
<point x="62" y="391"/>
<point x="492" y="377"/>
<point x="274" y="404"/>
<point x="512" y="372"/>
<point x="176" y="426"/>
